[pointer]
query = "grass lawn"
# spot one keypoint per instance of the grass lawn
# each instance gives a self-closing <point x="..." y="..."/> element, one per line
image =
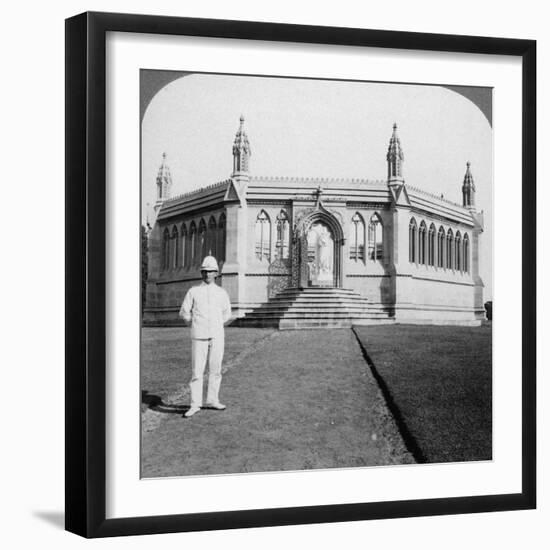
<point x="438" y="382"/>
<point x="296" y="400"/>
<point x="166" y="357"/>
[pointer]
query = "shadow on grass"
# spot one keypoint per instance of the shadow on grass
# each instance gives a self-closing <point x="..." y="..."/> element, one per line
<point x="408" y="438"/>
<point x="155" y="403"/>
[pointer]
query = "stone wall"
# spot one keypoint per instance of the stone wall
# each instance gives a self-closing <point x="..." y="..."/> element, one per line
<point x="416" y="293"/>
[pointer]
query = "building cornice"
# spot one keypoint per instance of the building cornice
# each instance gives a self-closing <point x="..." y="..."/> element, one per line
<point x="315" y="181"/>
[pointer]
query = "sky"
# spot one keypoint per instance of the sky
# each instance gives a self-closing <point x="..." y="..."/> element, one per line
<point x="318" y="128"/>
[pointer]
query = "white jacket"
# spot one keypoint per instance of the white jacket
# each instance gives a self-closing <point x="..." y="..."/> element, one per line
<point x="207" y="307"/>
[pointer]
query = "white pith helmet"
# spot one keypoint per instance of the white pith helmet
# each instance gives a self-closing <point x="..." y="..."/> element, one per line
<point x="209" y="264"/>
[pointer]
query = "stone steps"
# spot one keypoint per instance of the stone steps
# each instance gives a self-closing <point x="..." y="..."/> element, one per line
<point x="316" y="308"/>
<point x="322" y="307"/>
<point x="319" y="315"/>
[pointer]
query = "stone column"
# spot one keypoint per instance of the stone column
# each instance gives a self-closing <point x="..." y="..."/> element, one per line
<point x="477" y="230"/>
<point x="400" y="269"/>
<point x="234" y="268"/>
<point x="304" y="273"/>
<point x="479" y="306"/>
<point x="342" y="258"/>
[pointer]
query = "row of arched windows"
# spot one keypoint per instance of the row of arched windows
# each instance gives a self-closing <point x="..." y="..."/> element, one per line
<point x="186" y="245"/>
<point x="366" y="242"/>
<point x="262" y="247"/>
<point x="374" y="238"/>
<point x="437" y="248"/>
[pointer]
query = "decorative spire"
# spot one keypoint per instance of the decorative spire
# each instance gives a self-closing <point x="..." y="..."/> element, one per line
<point x="395" y="158"/>
<point x="164" y="183"/>
<point x="468" y="188"/>
<point x="241" y="150"/>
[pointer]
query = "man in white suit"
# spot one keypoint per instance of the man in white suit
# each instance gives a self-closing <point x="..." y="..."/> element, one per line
<point x="207" y="307"/>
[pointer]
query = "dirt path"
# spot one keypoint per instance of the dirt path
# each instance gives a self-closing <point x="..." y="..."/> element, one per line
<point x="298" y="400"/>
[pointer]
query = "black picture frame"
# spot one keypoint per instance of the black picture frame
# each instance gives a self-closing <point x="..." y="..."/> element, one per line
<point x="86" y="275"/>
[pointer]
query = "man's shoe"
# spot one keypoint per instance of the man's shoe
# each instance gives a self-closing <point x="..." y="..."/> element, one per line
<point x="191" y="412"/>
<point x="218" y="406"/>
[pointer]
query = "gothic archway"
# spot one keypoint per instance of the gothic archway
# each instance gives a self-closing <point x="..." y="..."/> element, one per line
<point x="312" y="220"/>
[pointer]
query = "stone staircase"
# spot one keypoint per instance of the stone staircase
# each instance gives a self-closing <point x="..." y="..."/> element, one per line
<point x="316" y="307"/>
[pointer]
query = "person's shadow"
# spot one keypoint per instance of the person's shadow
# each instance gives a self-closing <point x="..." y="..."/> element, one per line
<point x="155" y="403"/>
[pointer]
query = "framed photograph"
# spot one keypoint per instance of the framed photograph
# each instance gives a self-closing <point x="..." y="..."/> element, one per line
<point x="284" y="245"/>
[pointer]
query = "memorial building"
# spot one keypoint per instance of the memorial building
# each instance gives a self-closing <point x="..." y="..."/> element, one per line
<point x="313" y="252"/>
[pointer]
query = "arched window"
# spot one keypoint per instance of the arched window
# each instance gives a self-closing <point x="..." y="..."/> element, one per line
<point x="458" y="251"/>
<point x="357" y="238"/>
<point x="212" y="238"/>
<point x="412" y="240"/>
<point x="441" y="247"/>
<point x="165" y="261"/>
<point x="466" y="253"/>
<point x="221" y="239"/>
<point x="263" y="236"/>
<point x="422" y="243"/>
<point x="192" y="244"/>
<point x="376" y="238"/>
<point x="183" y="246"/>
<point x="449" y="262"/>
<point x="175" y="248"/>
<point x="201" y="242"/>
<point x="283" y="235"/>
<point x="431" y="245"/>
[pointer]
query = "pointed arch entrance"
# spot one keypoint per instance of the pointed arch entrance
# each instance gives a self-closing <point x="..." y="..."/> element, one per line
<point x="318" y="250"/>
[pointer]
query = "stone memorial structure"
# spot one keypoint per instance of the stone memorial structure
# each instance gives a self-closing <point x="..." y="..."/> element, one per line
<point x="308" y="252"/>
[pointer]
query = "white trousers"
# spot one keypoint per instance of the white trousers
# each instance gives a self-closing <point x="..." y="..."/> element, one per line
<point x="210" y="350"/>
